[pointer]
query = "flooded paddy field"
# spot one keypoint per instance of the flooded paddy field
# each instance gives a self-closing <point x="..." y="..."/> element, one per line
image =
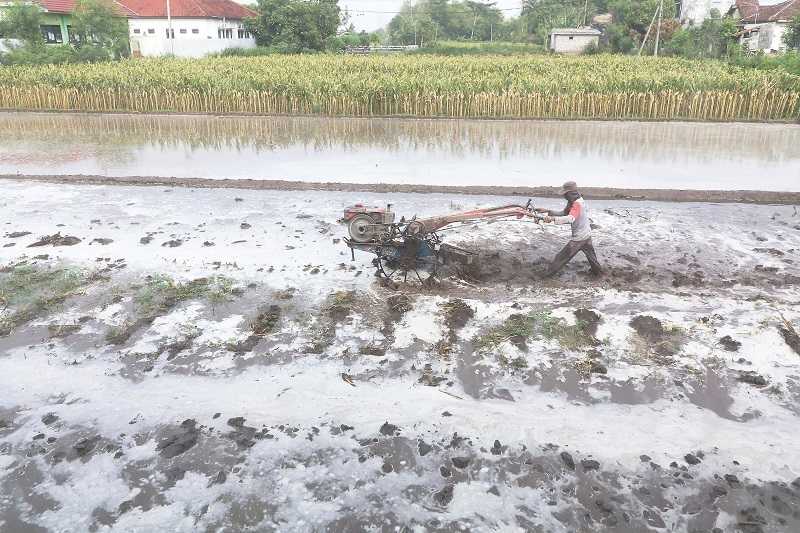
<point x="405" y="151"/>
<point x="212" y="360"/>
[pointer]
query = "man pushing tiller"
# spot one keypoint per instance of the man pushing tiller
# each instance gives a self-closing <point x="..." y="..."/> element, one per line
<point x="575" y="214"/>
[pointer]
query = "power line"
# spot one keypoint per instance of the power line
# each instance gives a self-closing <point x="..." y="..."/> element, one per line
<point x="428" y="12"/>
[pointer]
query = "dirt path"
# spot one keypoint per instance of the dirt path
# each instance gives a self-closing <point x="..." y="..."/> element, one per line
<point x="597" y="193"/>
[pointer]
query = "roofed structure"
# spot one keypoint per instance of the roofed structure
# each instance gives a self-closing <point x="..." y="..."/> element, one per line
<point x="752" y="12"/>
<point x="221" y="9"/>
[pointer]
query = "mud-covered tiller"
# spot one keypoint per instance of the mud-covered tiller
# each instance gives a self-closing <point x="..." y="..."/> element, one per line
<point x="414" y="246"/>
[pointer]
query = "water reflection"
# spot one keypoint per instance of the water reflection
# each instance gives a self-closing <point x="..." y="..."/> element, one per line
<point x="459" y="151"/>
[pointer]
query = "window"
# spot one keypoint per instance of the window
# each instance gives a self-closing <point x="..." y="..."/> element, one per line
<point x="52" y="34"/>
<point x="225" y="33"/>
<point x="571" y="37"/>
<point x="151" y="31"/>
<point x="195" y="31"/>
<point x="244" y="34"/>
<point x="170" y="33"/>
<point x="183" y="30"/>
<point x="137" y="31"/>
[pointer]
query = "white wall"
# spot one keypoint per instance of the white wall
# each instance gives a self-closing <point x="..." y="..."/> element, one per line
<point x="770" y="37"/>
<point x="204" y="41"/>
<point x="767" y="37"/>
<point x="574" y="45"/>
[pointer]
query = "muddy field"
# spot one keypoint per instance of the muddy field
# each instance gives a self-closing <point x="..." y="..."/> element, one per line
<point x="196" y="359"/>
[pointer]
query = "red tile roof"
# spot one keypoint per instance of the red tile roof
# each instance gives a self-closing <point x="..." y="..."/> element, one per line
<point x="752" y="12"/>
<point x="68" y="6"/>
<point x="158" y="8"/>
<point x="187" y="8"/>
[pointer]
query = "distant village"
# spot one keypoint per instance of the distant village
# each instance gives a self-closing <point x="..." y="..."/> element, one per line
<point x="761" y="27"/>
<point x="197" y="29"/>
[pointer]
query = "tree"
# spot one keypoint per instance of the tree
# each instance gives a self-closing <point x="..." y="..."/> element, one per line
<point x="296" y="25"/>
<point x="97" y="28"/>
<point x="544" y="15"/>
<point x="428" y="21"/>
<point x="22" y="21"/>
<point x="791" y="37"/>
<point x="714" y="38"/>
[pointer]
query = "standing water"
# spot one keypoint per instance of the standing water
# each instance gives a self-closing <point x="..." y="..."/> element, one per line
<point x="670" y="155"/>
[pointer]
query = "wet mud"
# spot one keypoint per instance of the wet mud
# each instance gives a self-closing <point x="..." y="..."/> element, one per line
<point x="185" y="386"/>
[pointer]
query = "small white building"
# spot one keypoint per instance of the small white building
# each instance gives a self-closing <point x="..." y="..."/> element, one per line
<point x="763" y="26"/>
<point x="188" y="29"/>
<point x="573" y="40"/>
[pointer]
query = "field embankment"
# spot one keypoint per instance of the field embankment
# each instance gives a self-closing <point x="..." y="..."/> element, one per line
<point x="589" y="87"/>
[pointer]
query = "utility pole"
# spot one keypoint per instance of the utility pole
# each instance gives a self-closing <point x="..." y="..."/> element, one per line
<point x="585" y="11"/>
<point x="474" y="20"/>
<point x="414" y="22"/>
<point x="658" y="28"/>
<point x="170" y="33"/>
<point x="646" y="35"/>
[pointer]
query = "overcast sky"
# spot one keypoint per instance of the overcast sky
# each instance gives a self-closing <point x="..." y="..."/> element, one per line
<point x="371" y="15"/>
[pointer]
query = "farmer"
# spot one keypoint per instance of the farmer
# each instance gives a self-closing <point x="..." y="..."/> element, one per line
<point x="575" y="214"/>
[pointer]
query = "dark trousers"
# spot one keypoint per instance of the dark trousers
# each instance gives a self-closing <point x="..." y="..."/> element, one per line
<point x="573" y="247"/>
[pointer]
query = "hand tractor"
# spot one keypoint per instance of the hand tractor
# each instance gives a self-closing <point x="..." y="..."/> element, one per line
<point x="414" y="245"/>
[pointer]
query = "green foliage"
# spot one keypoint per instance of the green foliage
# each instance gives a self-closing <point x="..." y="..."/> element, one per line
<point x="98" y="34"/>
<point x="789" y="62"/>
<point x="296" y="25"/>
<point x="518" y="328"/>
<point x="96" y="24"/>
<point x="714" y="38"/>
<point x="637" y="14"/>
<point x="22" y="20"/>
<point x="428" y="21"/>
<point x="28" y="290"/>
<point x="541" y="16"/>
<point x="468" y="48"/>
<point x="620" y="39"/>
<point x="254" y="52"/>
<point x="791" y="37"/>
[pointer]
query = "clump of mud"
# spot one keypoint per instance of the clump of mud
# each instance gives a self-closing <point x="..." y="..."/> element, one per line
<point x="456" y="315"/>
<point x="654" y="340"/>
<point x="337" y="307"/>
<point x="790" y="335"/>
<point x="730" y="344"/>
<point x="55" y="240"/>
<point x="262" y="325"/>
<point x="589" y="321"/>
<point x="339" y="304"/>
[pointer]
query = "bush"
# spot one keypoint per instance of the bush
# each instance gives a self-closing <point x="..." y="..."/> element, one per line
<point x="35" y="54"/>
<point x="255" y="52"/>
<point x="463" y="48"/>
<point x="790" y="61"/>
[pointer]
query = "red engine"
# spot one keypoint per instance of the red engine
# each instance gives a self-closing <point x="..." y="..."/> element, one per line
<point x="379" y="215"/>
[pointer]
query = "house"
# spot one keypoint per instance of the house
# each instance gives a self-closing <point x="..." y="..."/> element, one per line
<point x="57" y="19"/>
<point x="763" y="26"/>
<point x="187" y="28"/>
<point x="573" y="40"/>
<point x="184" y="28"/>
<point x="694" y="12"/>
